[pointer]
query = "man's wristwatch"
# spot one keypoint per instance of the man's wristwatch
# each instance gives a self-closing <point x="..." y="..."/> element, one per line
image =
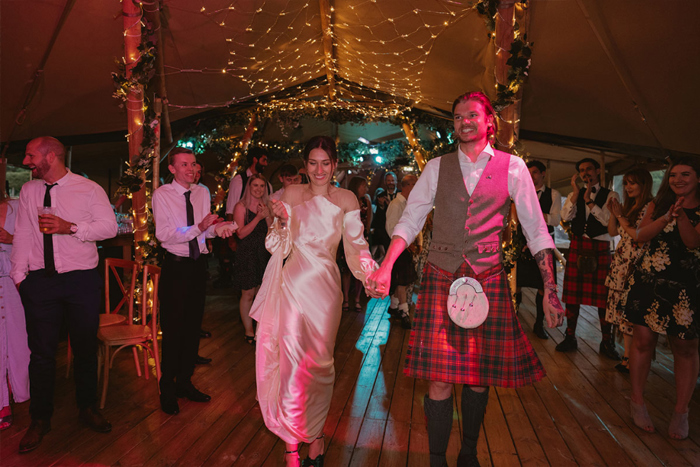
<point x="73" y="229"/>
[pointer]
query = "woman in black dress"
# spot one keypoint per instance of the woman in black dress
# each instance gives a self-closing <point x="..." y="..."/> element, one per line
<point x="663" y="294"/>
<point x="251" y="255"/>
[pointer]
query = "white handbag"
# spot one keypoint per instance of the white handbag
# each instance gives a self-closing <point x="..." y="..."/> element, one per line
<point x="467" y="304"/>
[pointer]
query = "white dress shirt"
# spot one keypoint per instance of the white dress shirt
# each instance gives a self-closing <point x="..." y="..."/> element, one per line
<point x="520" y="187"/>
<point x="170" y="215"/>
<point x="553" y="217"/>
<point x="77" y="200"/>
<point x="394" y="211"/>
<point x="568" y="212"/>
<point x="277" y="195"/>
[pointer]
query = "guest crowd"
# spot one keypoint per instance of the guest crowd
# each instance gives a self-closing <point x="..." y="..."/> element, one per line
<point x="344" y="244"/>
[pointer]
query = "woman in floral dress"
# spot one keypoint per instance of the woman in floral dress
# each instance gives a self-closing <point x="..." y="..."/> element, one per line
<point x="664" y="291"/>
<point x="626" y="218"/>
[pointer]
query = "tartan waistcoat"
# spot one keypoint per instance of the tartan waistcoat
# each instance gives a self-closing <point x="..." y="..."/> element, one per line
<point x="470" y="228"/>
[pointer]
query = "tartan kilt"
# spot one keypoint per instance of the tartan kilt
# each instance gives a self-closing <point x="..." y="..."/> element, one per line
<point x="587" y="288"/>
<point x="497" y="353"/>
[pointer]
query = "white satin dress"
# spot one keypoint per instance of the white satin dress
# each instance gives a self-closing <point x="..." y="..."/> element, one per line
<point x="298" y="309"/>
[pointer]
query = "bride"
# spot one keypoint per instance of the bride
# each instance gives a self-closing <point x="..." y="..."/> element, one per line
<point x="298" y="307"/>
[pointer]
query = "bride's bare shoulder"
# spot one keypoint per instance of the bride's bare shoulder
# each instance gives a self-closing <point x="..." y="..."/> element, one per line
<point x="345" y="199"/>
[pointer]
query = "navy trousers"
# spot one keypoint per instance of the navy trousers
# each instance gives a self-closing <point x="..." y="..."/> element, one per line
<point x="182" y="295"/>
<point x="48" y="300"/>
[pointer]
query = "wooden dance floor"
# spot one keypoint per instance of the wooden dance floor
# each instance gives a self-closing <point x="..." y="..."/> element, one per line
<point x="578" y="415"/>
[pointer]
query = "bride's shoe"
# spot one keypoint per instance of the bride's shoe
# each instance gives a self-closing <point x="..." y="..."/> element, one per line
<point x="318" y="461"/>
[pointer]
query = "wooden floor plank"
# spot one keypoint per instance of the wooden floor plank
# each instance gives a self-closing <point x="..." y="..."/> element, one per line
<point x="577" y="415"/>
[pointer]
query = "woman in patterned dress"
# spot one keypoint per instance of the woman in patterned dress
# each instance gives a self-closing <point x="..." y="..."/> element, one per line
<point x="626" y="218"/>
<point x="663" y="293"/>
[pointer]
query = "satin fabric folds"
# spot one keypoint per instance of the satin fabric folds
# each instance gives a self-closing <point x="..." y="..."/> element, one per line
<point x="298" y="309"/>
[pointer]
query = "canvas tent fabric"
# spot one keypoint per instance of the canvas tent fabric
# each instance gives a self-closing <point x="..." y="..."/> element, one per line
<point x="611" y="72"/>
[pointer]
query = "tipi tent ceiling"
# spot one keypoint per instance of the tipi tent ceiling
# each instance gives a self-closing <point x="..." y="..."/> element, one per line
<point x="598" y="65"/>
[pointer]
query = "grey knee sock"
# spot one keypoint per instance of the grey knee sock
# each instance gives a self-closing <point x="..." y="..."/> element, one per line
<point x="439" y="418"/>
<point x="473" y="409"/>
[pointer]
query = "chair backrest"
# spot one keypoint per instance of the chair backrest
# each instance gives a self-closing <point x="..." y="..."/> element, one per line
<point x="115" y="267"/>
<point x="149" y="297"/>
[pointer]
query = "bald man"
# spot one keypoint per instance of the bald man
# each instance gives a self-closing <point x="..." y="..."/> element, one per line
<point x="54" y="265"/>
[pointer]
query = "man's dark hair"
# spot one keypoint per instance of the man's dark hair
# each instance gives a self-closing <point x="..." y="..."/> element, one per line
<point x="175" y="152"/>
<point x="288" y="170"/>
<point x="255" y="153"/>
<point x="537" y="164"/>
<point x="595" y="163"/>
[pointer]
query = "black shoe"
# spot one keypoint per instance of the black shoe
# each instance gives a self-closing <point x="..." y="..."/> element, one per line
<point x="192" y="393"/>
<point x="607" y="348"/>
<point x="405" y="321"/>
<point x="32" y="438"/>
<point x="309" y="462"/>
<point x="569" y="344"/>
<point x="94" y="420"/>
<point x="204" y="334"/>
<point x="539" y="331"/>
<point x="394" y="313"/>
<point x="168" y="404"/>
<point x="202" y="360"/>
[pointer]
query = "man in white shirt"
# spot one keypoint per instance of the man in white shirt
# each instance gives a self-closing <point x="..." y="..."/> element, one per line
<point x="183" y="223"/>
<point x="257" y="162"/>
<point x="589" y="257"/>
<point x="527" y="270"/>
<point x="471" y="192"/>
<point x="54" y="264"/>
<point x="288" y="175"/>
<point x="403" y="273"/>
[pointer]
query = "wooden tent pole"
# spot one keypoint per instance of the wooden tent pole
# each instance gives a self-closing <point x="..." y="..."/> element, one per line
<point x="245" y="141"/>
<point x="327" y="27"/>
<point x="155" y="163"/>
<point x="134" y="113"/>
<point x="160" y="67"/>
<point x="508" y="126"/>
<point x="413" y="142"/>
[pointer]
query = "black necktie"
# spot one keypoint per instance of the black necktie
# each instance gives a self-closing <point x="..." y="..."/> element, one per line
<point x="194" y="246"/>
<point x="49" y="263"/>
<point x="593" y="190"/>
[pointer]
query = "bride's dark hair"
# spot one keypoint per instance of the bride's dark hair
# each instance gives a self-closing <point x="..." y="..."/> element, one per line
<point x="321" y="142"/>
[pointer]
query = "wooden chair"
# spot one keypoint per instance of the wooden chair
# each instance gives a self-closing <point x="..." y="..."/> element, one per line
<point x="143" y="335"/>
<point x="117" y="268"/>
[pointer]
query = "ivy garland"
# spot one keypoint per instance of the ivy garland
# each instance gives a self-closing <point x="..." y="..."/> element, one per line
<point x="519" y="61"/>
<point x="137" y="172"/>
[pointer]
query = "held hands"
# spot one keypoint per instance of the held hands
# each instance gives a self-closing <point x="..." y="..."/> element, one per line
<point x="51" y="224"/>
<point x="208" y="221"/>
<point x="378" y="282"/>
<point x="5" y="236"/>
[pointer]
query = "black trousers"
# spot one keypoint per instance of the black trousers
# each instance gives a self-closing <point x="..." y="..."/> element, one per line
<point x="182" y="294"/>
<point x="47" y="300"/>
